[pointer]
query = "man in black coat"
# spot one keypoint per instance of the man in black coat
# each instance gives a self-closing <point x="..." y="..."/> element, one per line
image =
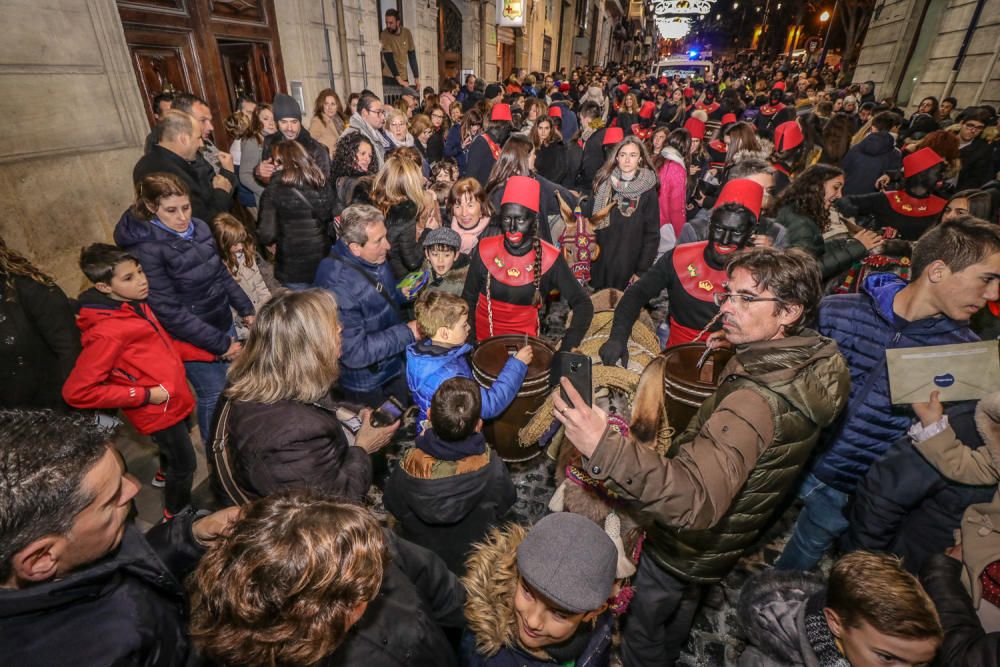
<point x="78" y="583"/>
<point x="177" y="154"/>
<point x="288" y="116"/>
<point x="974" y="152"/>
<point x="593" y="147"/>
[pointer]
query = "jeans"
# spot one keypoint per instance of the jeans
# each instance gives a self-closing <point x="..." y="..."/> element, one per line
<point x="659" y="618"/>
<point x="178" y="463"/>
<point x="819" y="525"/>
<point x="208" y="379"/>
<point x="296" y="287"/>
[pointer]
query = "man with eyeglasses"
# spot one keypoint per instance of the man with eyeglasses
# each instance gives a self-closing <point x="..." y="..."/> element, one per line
<point x="974" y="151"/>
<point x="369" y="120"/>
<point x="732" y="469"/>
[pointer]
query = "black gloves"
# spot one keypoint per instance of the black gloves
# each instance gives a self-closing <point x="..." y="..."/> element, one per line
<point x="612" y="351"/>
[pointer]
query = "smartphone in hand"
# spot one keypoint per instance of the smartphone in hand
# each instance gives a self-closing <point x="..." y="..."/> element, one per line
<point x="390" y="412"/>
<point x="577" y="368"/>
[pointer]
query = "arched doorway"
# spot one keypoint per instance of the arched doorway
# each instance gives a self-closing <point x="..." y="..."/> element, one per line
<point x="449" y="41"/>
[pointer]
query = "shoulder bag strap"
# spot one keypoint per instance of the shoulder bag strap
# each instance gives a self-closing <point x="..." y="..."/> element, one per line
<point x="223" y="463"/>
<point x="379" y="287"/>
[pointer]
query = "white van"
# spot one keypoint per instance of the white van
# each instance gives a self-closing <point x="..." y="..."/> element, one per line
<point x="684" y="67"/>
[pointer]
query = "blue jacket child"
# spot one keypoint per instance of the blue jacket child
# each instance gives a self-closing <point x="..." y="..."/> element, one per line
<point x="443" y="354"/>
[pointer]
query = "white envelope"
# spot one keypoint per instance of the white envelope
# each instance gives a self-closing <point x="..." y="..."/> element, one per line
<point x="967" y="371"/>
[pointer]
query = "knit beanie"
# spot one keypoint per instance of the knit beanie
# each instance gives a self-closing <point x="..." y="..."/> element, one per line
<point x="285" y="106"/>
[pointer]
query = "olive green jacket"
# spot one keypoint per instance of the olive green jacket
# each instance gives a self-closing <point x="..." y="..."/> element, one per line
<point x="739" y="458"/>
<point x="834" y="256"/>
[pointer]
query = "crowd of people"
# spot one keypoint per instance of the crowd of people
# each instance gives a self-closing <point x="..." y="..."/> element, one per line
<point x="290" y="298"/>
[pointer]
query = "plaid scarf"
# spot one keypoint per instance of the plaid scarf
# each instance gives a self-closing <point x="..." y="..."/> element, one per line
<point x="626" y="193"/>
<point x="822" y="641"/>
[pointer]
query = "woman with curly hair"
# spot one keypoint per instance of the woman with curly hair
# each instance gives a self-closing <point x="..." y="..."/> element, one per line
<point x="41" y="341"/>
<point x="804" y="210"/>
<point x="302" y="579"/>
<point x="351" y="171"/>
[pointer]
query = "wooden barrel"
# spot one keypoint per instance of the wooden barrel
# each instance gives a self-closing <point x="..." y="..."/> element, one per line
<point x="685" y="385"/>
<point x="488" y="359"/>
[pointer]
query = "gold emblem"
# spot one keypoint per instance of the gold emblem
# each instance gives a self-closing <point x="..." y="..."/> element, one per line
<point x="513" y="273"/>
<point x="499" y="262"/>
<point x="692" y="271"/>
<point x="706" y="285"/>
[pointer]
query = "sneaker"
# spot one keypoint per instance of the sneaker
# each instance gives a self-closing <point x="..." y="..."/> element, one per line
<point x="159" y="480"/>
<point x="167" y="516"/>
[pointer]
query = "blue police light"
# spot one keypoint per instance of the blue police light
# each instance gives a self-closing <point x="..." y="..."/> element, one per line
<point x="692" y="54"/>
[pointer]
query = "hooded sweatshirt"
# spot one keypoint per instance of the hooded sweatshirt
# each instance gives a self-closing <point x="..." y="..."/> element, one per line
<point x="871" y="157"/>
<point x="126" y="353"/>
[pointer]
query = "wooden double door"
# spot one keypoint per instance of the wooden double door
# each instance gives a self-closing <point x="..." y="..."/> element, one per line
<point x="216" y="49"/>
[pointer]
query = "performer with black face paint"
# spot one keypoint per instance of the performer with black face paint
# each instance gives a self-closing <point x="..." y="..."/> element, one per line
<point x="485" y="148"/>
<point x="910" y="211"/>
<point x="510" y="275"/>
<point x="764" y="121"/>
<point x="692" y="272"/>
<point x="789" y="146"/>
<point x="709" y="104"/>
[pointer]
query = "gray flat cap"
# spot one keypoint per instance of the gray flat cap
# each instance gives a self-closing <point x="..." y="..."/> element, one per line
<point x="570" y="560"/>
<point x="443" y="236"/>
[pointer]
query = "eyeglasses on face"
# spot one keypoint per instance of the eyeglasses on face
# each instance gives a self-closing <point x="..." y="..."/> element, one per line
<point x="741" y="300"/>
<point x="975" y="127"/>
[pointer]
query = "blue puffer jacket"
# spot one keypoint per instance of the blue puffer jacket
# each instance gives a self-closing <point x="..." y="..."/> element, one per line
<point x="864" y="326"/>
<point x="374" y="335"/>
<point x="428" y="365"/>
<point x="190" y="290"/>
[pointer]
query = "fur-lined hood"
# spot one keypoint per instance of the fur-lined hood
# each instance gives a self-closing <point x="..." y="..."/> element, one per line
<point x="766" y="148"/>
<point x="490" y="582"/>
<point x="988" y="424"/>
<point x="771" y="610"/>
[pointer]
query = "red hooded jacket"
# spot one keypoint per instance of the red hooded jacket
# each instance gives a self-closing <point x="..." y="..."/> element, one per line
<point x="126" y="352"/>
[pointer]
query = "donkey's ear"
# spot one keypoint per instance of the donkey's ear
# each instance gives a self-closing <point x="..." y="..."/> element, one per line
<point x="603" y="213"/>
<point x="564" y="209"/>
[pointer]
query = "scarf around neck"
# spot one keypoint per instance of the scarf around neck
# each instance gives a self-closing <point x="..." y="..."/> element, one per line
<point x="625" y="192"/>
<point x="818" y="633"/>
<point x="470" y="235"/>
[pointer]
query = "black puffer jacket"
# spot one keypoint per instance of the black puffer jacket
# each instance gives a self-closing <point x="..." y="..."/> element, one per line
<point x="289" y="444"/>
<point x="906" y="507"/>
<point x="299" y="221"/>
<point x="39" y="343"/>
<point x="319" y="153"/>
<point x="126" y="609"/>
<point x="965" y="644"/>
<point x="405" y="252"/>
<point x="402" y="625"/>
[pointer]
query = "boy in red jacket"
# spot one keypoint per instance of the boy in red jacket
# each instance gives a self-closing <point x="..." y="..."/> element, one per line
<point x="130" y="362"/>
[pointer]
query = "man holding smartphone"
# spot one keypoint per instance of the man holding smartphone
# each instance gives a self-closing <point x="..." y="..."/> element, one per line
<point x="729" y="472"/>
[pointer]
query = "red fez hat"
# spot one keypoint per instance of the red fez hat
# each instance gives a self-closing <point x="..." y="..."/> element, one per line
<point x="919" y="161"/>
<point x="689" y="92"/>
<point x="500" y="112"/>
<point x="647" y="109"/>
<point x="695" y="127"/>
<point x="778" y="85"/>
<point x="623" y="87"/>
<point x="729" y="118"/>
<point x="742" y="191"/>
<point x="555" y="111"/>
<point x="522" y="190"/>
<point x="564" y="87"/>
<point x="613" y="135"/>
<point x="788" y="136"/>
<point x="664" y="81"/>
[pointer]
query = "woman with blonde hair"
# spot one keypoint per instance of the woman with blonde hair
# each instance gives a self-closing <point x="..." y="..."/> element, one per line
<point x="397" y="129"/>
<point x="398" y="192"/>
<point x="328" y="119"/>
<point x="281" y="424"/>
<point x="296" y="215"/>
<point x="421" y="131"/>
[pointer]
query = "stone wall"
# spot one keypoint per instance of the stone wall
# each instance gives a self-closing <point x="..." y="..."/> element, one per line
<point x="74" y="127"/>
<point x="892" y="32"/>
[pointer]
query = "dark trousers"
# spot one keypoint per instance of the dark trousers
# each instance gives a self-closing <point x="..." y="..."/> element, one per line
<point x="178" y="463"/>
<point x="396" y="387"/>
<point x="659" y="618"/>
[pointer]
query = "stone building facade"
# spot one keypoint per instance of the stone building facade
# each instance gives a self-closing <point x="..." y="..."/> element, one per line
<point x="920" y="48"/>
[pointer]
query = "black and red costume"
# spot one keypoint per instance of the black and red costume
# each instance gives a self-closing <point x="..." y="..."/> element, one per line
<point x="501" y="284"/>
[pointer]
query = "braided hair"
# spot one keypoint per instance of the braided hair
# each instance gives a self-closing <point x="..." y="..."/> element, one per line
<point x="13" y="263"/>
<point x="536" y="279"/>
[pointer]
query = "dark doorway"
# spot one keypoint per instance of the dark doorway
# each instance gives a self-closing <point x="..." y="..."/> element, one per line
<point x="449" y="41"/>
<point x="247" y="68"/>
